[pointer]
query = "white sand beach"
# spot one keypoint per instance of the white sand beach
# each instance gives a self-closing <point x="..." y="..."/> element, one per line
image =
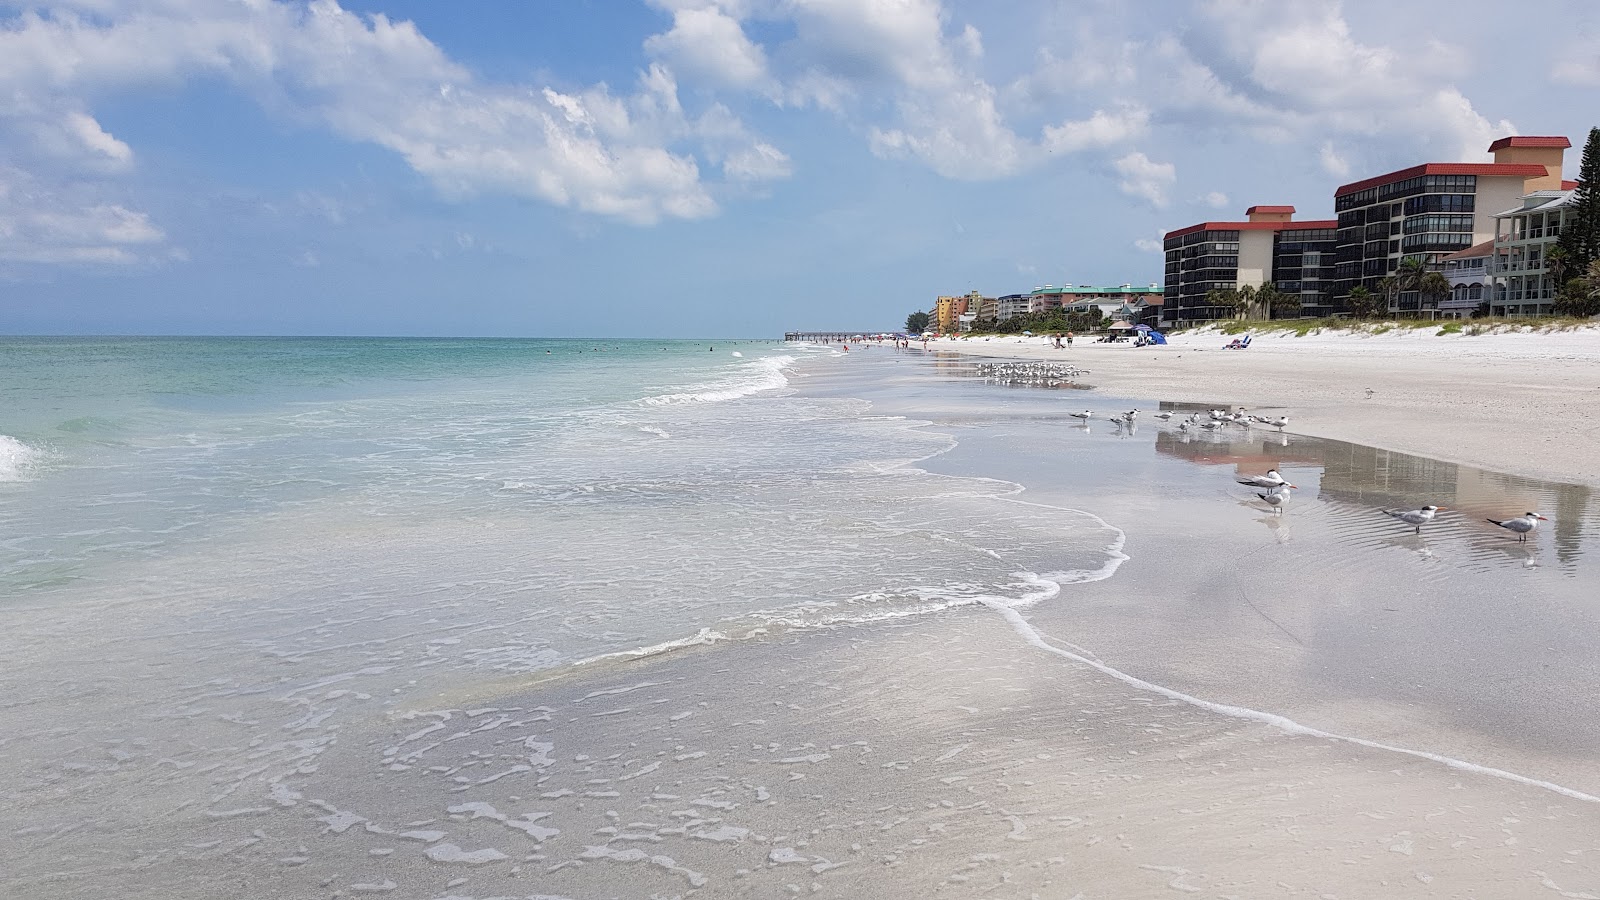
<point x="1513" y="401"/>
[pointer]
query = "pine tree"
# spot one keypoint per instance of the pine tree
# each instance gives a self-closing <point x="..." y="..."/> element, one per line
<point x="1580" y="239"/>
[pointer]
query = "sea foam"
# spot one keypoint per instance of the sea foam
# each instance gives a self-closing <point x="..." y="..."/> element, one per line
<point x="748" y="378"/>
<point x="17" y="460"/>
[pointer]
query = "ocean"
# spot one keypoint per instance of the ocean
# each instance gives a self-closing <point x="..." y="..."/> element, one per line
<point x="534" y="618"/>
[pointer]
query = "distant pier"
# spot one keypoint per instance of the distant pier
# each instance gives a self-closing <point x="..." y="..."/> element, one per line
<point x="824" y="336"/>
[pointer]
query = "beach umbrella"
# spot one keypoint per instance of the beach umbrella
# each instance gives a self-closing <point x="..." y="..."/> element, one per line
<point x="1141" y="327"/>
<point x="1120" y="325"/>
<point x="1027" y="334"/>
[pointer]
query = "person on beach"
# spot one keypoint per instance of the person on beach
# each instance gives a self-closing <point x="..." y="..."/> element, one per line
<point x="1069" y="340"/>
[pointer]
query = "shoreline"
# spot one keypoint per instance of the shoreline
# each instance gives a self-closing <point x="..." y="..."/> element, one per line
<point x="1525" y="404"/>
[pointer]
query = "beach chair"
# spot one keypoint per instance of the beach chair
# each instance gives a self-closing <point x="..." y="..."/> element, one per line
<point x="1238" y="344"/>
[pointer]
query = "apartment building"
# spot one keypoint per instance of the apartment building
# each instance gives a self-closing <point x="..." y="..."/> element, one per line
<point x="1268" y="246"/>
<point x="1522" y="284"/>
<point x="1429" y="211"/>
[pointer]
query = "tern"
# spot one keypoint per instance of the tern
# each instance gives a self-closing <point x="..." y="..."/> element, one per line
<point x="1523" y="525"/>
<point x="1163" y="416"/>
<point x="1278" y="496"/>
<point x="1270" y="480"/>
<point x="1280" y="422"/>
<point x="1086" y="415"/>
<point x="1417" y="517"/>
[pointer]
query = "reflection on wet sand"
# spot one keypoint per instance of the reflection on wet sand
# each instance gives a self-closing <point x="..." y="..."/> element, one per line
<point x="1357" y="480"/>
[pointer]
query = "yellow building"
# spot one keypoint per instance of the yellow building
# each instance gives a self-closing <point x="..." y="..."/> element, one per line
<point x="946" y="310"/>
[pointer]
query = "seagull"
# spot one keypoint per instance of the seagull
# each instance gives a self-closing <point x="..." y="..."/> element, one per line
<point x="1086" y="415"/>
<point x="1130" y="415"/>
<point x="1417" y="517"/>
<point x="1163" y="416"/>
<point x="1270" y="480"/>
<point x="1278" y="496"/>
<point x="1523" y="525"/>
<point x="1211" y="426"/>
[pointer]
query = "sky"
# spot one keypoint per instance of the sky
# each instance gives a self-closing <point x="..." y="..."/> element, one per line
<point x="702" y="168"/>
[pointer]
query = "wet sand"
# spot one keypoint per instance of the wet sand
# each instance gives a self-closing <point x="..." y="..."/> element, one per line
<point x="1526" y="403"/>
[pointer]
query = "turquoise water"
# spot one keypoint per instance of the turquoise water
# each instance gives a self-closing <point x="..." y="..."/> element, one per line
<point x="223" y="560"/>
<point x="126" y="447"/>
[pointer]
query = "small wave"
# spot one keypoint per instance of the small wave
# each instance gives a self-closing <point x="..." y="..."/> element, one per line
<point x="748" y="378"/>
<point x="17" y="460"/>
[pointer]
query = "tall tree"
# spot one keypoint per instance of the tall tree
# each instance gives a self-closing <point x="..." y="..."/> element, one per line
<point x="1556" y="262"/>
<point x="1267" y="299"/>
<point x="1580" y="237"/>
<point x="1227" y="298"/>
<point x="917" y="322"/>
<point x="1244" y="299"/>
<point x="1434" y="288"/>
<point x="1389" y="290"/>
<point x="1284" y="305"/>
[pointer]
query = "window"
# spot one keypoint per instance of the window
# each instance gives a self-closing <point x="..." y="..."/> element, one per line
<point x="1435" y="203"/>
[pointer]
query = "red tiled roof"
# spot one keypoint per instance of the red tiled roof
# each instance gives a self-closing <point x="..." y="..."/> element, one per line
<point x="1530" y="141"/>
<point x="1569" y="185"/>
<point x="1268" y="209"/>
<point x="1525" y="170"/>
<point x="1484" y="249"/>
<point x="1252" y="226"/>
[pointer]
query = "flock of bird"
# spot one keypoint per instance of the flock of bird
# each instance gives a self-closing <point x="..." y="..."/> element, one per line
<point x="1218" y="419"/>
<point x="1276" y="489"/>
<point x="1036" y="374"/>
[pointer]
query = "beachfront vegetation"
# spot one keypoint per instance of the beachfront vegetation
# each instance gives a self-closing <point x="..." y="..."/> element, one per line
<point x="917" y="322"/>
<point x="1475" y="326"/>
<point x="1053" y="321"/>
<point x="1580" y="296"/>
<point x="1580" y="238"/>
<point x="1366" y="305"/>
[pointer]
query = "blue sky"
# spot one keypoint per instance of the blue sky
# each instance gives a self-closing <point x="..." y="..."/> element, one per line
<point x="689" y="168"/>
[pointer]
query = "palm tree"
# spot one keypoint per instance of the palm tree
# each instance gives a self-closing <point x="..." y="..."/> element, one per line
<point x="1267" y="299"/>
<point x="1362" y="304"/>
<point x="1409" y="276"/>
<point x="1434" y="288"/>
<point x="1223" y="297"/>
<point x="1285" y="305"/>
<point x="1243" y="300"/>
<point x="1555" y="261"/>
<point x="1389" y="290"/>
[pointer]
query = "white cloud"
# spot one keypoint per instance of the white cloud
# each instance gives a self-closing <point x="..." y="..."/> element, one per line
<point x="1215" y="199"/>
<point x="1155" y="244"/>
<point x="709" y="43"/>
<point x="1333" y="163"/>
<point x="634" y="157"/>
<point x="759" y="162"/>
<point x="1102" y="129"/>
<point x="39" y="224"/>
<point x="1143" y="178"/>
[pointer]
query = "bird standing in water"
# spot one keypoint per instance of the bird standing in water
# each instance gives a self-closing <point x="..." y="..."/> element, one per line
<point x="1522" y="525"/>
<point x="1416" y="517"/>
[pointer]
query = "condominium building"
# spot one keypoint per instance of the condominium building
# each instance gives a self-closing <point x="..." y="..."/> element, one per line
<point x="1468" y="273"/>
<point x="946" y="311"/>
<point x="1010" y="306"/>
<point x="1268" y="246"/>
<point x="1044" y="299"/>
<point x="1522" y="282"/>
<point x="1429" y="211"/>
